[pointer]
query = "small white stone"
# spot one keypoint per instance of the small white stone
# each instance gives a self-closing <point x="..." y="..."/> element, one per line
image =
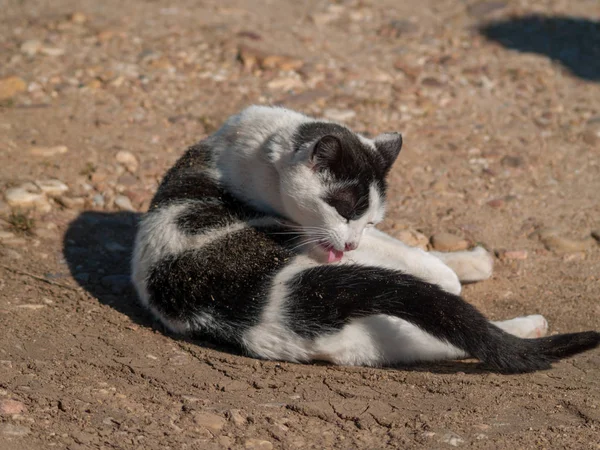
<point x="52" y="51"/>
<point x="128" y="160"/>
<point x="21" y="197"/>
<point x="52" y="188"/>
<point x="49" y="151"/>
<point x="257" y="444"/>
<point x="123" y="203"/>
<point x="31" y="47"/>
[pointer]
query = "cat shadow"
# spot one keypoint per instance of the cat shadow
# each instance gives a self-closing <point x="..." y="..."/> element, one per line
<point x="98" y="247"/>
<point x="572" y="41"/>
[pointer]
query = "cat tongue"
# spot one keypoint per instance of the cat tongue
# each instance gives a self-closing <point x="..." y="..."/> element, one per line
<point x="334" y="255"/>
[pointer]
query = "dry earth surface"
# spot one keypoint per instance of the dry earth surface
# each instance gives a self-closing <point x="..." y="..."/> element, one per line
<point x="99" y="98"/>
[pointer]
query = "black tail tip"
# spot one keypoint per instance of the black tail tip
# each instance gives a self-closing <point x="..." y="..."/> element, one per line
<point x="565" y="345"/>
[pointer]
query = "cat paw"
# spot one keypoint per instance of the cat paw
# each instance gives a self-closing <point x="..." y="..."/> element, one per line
<point x="533" y="326"/>
<point x="447" y="280"/>
<point x="472" y="265"/>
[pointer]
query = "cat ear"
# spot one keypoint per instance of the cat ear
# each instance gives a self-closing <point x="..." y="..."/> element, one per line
<point x="389" y="146"/>
<point x="326" y="152"/>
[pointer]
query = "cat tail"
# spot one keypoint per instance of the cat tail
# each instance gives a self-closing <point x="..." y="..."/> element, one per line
<point x="326" y="298"/>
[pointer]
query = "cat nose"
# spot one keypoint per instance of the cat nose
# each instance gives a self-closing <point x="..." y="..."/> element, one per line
<point x="351" y="246"/>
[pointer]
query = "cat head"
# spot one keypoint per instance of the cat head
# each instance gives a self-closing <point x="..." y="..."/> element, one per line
<point x="333" y="184"/>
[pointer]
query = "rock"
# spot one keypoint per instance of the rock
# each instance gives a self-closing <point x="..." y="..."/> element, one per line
<point x="485" y="8"/>
<point x="451" y="438"/>
<point x="209" y="420"/>
<point x="496" y="203"/>
<point x="285" y="84"/>
<point x="339" y="115"/>
<point x="512" y="254"/>
<point x="48" y="152"/>
<point x="128" y="160"/>
<point x="9" y="407"/>
<point x="8" y="429"/>
<point x="23" y="198"/>
<point x="511" y="161"/>
<point x="591" y="136"/>
<point x="553" y="241"/>
<point x="15" y="242"/>
<point x="235" y="415"/>
<point x="98" y="200"/>
<point x="71" y="203"/>
<point x="52" y="51"/>
<point x="446" y="242"/>
<point x="253" y="58"/>
<point x="31" y="47"/>
<point x="11" y="86"/>
<point x="128" y="179"/>
<point x="6" y="235"/>
<point x="413" y="238"/>
<point x="78" y="18"/>
<point x="52" y="188"/>
<point x="123" y="203"/>
<point x="596" y="235"/>
<point x="116" y="283"/>
<point x="396" y="28"/>
<point x="257" y="444"/>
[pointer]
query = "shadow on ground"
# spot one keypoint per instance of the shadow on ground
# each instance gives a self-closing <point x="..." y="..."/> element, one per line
<point x="98" y="247"/>
<point x="574" y="42"/>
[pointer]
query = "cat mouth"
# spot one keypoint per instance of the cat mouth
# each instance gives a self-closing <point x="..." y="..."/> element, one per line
<point x="333" y="255"/>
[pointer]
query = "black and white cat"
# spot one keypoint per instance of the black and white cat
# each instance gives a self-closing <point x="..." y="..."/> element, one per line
<point x="262" y="236"/>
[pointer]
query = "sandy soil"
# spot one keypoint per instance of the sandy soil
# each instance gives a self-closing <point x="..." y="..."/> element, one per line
<point x="499" y="144"/>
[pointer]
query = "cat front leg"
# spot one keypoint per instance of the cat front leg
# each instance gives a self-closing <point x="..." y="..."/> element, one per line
<point x="380" y="249"/>
<point x="470" y="265"/>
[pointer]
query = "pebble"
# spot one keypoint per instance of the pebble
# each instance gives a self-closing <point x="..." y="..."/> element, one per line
<point x="512" y="254"/>
<point x="116" y="283"/>
<point x="8" y="429"/>
<point x="413" y="238"/>
<point x="496" y="203"/>
<point x="447" y="242"/>
<point x="78" y="17"/>
<point x="22" y="197"/>
<point x="253" y="58"/>
<point x="123" y="203"/>
<point x="11" y="86"/>
<point x="71" y="203"/>
<point x="396" y="28"/>
<point x="257" y="444"/>
<point x="591" y="136"/>
<point x="511" y="161"/>
<point x="49" y="151"/>
<point x="452" y="439"/>
<point x="9" y="407"/>
<point x="98" y="200"/>
<point x="339" y="115"/>
<point x="52" y="188"/>
<point x="31" y="47"/>
<point x="553" y="241"/>
<point x="6" y="235"/>
<point x="235" y="415"/>
<point x="128" y="160"/>
<point x="15" y="242"/>
<point x="209" y="420"/>
<point x="482" y="9"/>
<point x="52" y="51"/>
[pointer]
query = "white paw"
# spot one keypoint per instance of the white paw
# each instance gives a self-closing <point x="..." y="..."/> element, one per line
<point x="533" y="326"/>
<point x="473" y="265"/>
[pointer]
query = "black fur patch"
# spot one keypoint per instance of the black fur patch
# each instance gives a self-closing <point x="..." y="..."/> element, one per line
<point x="227" y="280"/>
<point x="324" y="299"/>
<point x="351" y="202"/>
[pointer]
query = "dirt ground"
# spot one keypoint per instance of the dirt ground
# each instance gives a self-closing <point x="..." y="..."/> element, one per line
<point x="500" y="143"/>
